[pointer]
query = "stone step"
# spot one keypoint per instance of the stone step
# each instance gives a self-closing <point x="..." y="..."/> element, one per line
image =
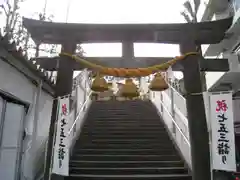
<point x="125" y="164"/>
<point x="122" y="146"/>
<point x="129" y="171"/>
<point x="125" y="141"/>
<point x="129" y="157"/>
<point x="123" y="136"/>
<point x="111" y="140"/>
<point x="109" y="151"/>
<point x="130" y="177"/>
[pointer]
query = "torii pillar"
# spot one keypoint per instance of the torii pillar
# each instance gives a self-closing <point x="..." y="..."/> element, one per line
<point x="198" y="132"/>
<point x="127" y="53"/>
<point x="63" y="87"/>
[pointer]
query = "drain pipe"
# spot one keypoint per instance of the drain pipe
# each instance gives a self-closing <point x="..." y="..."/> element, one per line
<point x="36" y="118"/>
<point x="36" y="113"/>
<point x="31" y="145"/>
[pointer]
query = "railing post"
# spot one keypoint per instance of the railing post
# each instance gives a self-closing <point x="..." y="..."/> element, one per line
<point x="161" y="98"/>
<point x="172" y="109"/>
<point x="172" y="102"/>
<point x="85" y="86"/>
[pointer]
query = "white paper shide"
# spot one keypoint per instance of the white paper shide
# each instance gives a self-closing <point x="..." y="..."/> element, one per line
<point x="222" y="132"/>
<point x="61" y="152"/>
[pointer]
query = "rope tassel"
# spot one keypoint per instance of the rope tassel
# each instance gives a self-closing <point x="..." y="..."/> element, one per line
<point x="99" y="84"/>
<point x="129" y="89"/>
<point x="158" y="83"/>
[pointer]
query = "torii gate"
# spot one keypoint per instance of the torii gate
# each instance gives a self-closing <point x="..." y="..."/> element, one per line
<point x="188" y="36"/>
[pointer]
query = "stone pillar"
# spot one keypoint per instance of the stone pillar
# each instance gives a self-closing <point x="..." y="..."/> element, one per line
<point x="127" y="53"/>
<point x="198" y="131"/>
<point x="63" y="87"/>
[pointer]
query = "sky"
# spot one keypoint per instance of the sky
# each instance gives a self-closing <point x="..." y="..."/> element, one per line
<point x="109" y="11"/>
<point x="113" y="11"/>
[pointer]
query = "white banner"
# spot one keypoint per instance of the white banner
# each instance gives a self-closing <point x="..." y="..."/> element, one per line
<point x="61" y="152"/>
<point x="222" y="132"/>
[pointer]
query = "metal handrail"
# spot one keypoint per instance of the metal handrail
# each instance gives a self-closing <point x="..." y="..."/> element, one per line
<point x="176" y="105"/>
<point x="179" y="129"/>
<point x="77" y="78"/>
<point x="184" y="118"/>
<point x="81" y="109"/>
<point x="176" y="91"/>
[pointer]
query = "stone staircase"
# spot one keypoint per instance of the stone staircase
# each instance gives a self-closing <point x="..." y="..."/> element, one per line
<point x="125" y="140"/>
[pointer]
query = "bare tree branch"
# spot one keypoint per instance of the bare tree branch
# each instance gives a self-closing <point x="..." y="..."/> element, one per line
<point x="189" y="8"/>
<point x="196" y="4"/>
<point x="13" y="16"/>
<point x="186" y="17"/>
<point x="15" y="30"/>
<point x="8" y="5"/>
<point x="4" y="9"/>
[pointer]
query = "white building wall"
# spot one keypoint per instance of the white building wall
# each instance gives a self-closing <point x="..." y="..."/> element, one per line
<point x="14" y="82"/>
<point x="212" y="78"/>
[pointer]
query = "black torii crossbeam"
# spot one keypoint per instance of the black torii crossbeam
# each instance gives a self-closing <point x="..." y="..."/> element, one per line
<point x="57" y="33"/>
<point x="188" y="36"/>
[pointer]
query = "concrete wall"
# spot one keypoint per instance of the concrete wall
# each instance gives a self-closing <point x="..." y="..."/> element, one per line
<point x="15" y="83"/>
<point x="212" y="78"/>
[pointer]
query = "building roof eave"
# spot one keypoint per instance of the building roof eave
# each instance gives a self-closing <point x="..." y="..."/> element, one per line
<point x="15" y="58"/>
